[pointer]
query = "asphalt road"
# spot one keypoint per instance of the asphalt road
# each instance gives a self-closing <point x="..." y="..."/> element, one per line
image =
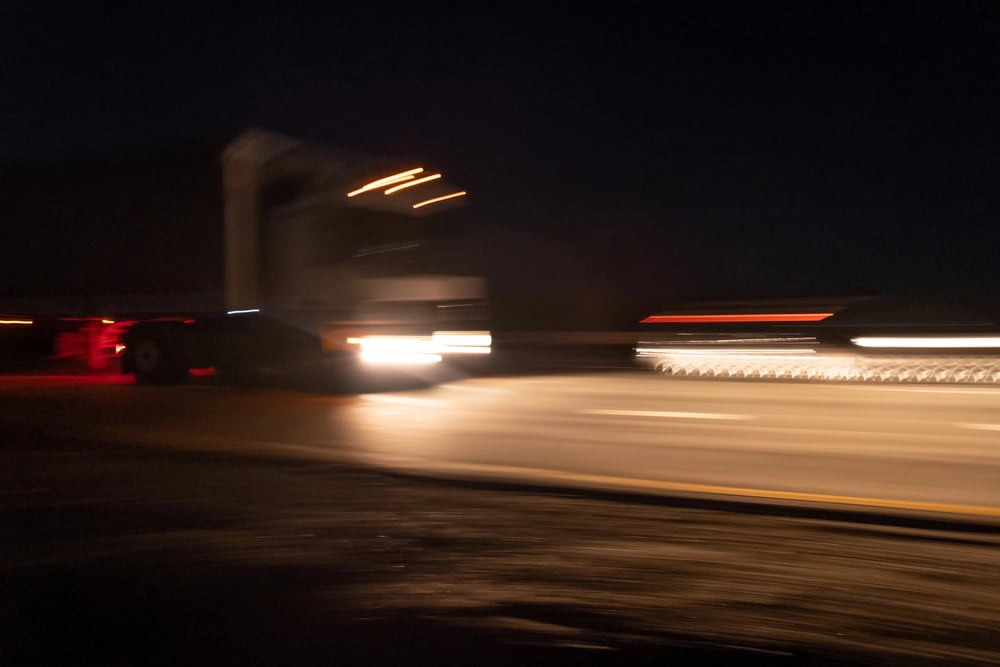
<point x="905" y="448"/>
<point x="201" y="524"/>
<point x="885" y="447"/>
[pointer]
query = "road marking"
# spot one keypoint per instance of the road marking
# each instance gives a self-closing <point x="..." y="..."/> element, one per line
<point x="665" y="414"/>
<point x="978" y="427"/>
<point x="922" y="389"/>
<point x="542" y="475"/>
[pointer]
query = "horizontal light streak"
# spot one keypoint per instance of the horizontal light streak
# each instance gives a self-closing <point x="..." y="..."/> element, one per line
<point x="388" y="180"/>
<point x="978" y="427"/>
<point x="722" y="352"/>
<point x="463" y="338"/>
<point x="464" y="349"/>
<point x="435" y="200"/>
<point x="410" y="184"/>
<point x="243" y="312"/>
<point x="22" y="322"/>
<point x="737" y="317"/>
<point x="925" y="342"/>
<point x="407" y="349"/>
<point x="666" y="414"/>
<point x="392" y="358"/>
<point x="397" y="350"/>
<point x="741" y="341"/>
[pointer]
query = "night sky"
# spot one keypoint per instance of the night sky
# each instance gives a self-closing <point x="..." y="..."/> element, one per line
<point x="656" y="150"/>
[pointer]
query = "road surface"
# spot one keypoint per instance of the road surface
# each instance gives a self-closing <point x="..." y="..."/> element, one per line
<point x="200" y="524"/>
<point x="895" y="447"/>
<point x="887" y="447"/>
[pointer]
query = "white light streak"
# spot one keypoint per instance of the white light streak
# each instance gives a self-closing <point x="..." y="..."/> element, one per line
<point x="410" y="350"/>
<point x="722" y="352"/>
<point x="463" y="338"/>
<point x="936" y="342"/>
<point x="243" y="312"/>
<point x="397" y="350"/>
<point x="463" y="349"/>
<point x="391" y="358"/>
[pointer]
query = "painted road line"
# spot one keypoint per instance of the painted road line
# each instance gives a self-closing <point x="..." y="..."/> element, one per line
<point x="985" y="391"/>
<point x="562" y="477"/>
<point x="662" y="414"/>
<point x="978" y="427"/>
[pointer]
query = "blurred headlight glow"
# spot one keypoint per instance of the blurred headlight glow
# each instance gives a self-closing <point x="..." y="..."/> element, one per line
<point x="463" y="342"/>
<point x="410" y="350"/>
<point x="395" y="358"/>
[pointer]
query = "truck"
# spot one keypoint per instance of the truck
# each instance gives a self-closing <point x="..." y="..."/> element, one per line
<point x="269" y="255"/>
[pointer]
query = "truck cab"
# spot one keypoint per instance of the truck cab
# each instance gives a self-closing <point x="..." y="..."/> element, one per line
<point x="328" y="257"/>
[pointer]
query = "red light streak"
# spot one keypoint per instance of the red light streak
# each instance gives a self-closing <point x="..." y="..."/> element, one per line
<point x="736" y="317"/>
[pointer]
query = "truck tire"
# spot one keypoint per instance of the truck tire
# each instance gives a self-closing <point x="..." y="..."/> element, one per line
<point x="154" y="362"/>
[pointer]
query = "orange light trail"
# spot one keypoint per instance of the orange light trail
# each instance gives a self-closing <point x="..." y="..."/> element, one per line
<point x="16" y="322"/>
<point x="410" y="184"/>
<point x="437" y="199"/>
<point x="388" y="180"/>
<point x="736" y="317"/>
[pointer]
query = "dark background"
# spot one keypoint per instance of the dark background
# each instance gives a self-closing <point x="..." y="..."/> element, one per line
<point x="619" y="157"/>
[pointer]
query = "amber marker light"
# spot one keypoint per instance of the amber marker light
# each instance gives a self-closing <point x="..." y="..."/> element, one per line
<point x="388" y="180"/>
<point x="410" y="184"/>
<point x="428" y="202"/>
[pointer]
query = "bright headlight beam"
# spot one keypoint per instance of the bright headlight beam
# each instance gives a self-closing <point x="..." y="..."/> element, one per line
<point x="410" y="184"/>
<point x="435" y="200"/>
<point x="464" y="349"/>
<point x="388" y="180"/>
<point x="935" y="342"/>
<point x="399" y="358"/>
<point x="398" y="350"/>
<point x="463" y="338"/>
<point x="409" y="350"/>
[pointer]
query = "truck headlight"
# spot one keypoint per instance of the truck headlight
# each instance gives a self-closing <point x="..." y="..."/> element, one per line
<point x="420" y="350"/>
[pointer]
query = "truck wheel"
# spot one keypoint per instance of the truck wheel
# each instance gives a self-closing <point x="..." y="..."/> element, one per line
<point x="153" y="362"/>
